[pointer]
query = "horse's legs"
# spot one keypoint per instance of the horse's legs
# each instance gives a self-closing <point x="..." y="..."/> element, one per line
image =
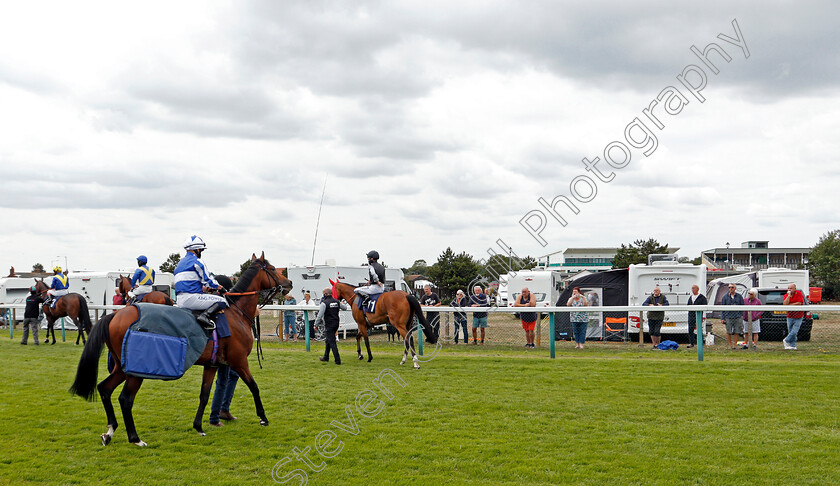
<point x="367" y="345"/>
<point x="50" y="328"/>
<point x="129" y="391"/>
<point x="245" y="374"/>
<point x="206" y="384"/>
<point x="81" y="334"/>
<point x="359" y="341"/>
<point x="106" y="388"/>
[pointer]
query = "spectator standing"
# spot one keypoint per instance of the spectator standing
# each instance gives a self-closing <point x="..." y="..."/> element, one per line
<point x="478" y="299"/>
<point x="655" y="318"/>
<point x="794" y="319"/>
<point x="31" y="316"/>
<point x="460" y="300"/>
<point x="733" y="320"/>
<point x="307" y="300"/>
<point x="289" y="327"/>
<point x="579" y="320"/>
<point x="529" y="319"/>
<point x="696" y="298"/>
<point x="752" y="299"/>
<point x="431" y="299"/>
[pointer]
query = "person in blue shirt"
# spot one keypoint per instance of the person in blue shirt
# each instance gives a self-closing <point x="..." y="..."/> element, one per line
<point x="191" y="277"/>
<point x="142" y="280"/>
<point x="58" y="287"/>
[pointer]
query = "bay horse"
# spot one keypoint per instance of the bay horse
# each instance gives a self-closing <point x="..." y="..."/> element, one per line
<point x="72" y="305"/>
<point x="110" y="330"/>
<point x="153" y="297"/>
<point x="396" y="307"/>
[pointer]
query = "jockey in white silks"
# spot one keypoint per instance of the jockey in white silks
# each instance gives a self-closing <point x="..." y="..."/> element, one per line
<point x="191" y="276"/>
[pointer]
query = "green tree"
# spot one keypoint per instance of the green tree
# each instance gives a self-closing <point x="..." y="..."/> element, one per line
<point x="824" y="263"/>
<point x="637" y="252"/>
<point x="420" y="267"/>
<point x="502" y="264"/>
<point x="170" y="263"/>
<point x="244" y="266"/>
<point x="453" y="271"/>
<point x="37" y="268"/>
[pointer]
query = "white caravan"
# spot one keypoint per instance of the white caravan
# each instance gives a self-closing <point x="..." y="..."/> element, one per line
<point x="544" y="284"/>
<point x="314" y="279"/>
<point x="780" y="278"/>
<point x="502" y="294"/>
<point x="674" y="281"/>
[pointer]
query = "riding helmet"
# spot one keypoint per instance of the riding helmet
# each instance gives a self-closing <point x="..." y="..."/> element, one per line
<point x="194" y="243"/>
<point x="57" y="269"/>
<point x="141" y="260"/>
<point x="373" y="254"/>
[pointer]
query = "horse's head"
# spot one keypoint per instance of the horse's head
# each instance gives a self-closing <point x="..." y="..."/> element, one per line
<point x="263" y="276"/>
<point x="124" y="285"/>
<point x="40" y="286"/>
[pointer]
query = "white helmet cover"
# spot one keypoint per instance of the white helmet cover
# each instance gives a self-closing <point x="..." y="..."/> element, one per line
<point x="194" y="243"/>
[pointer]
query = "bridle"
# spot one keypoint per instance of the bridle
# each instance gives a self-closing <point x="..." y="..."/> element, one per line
<point x="272" y="291"/>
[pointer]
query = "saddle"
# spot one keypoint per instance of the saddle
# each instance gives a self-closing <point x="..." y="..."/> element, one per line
<point x="52" y="301"/>
<point x="367" y="303"/>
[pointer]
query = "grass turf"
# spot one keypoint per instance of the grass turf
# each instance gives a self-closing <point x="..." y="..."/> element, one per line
<point x="473" y="415"/>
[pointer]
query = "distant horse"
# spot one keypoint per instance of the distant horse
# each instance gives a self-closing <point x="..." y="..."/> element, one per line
<point x="396" y="307"/>
<point x="71" y="305"/>
<point x="110" y="330"/>
<point x="154" y="297"/>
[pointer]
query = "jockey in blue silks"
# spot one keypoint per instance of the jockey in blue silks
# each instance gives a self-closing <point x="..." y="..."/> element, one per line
<point x="191" y="276"/>
<point x="142" y="280"/>
<point x="58" y="287"/>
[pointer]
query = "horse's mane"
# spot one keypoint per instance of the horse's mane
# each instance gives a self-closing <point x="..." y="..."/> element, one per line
<point x="247" y="277"/>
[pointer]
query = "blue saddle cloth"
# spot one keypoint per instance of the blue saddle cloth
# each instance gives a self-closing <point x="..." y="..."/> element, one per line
<point x="371" y="305"/>
<point x="162" y="343"/>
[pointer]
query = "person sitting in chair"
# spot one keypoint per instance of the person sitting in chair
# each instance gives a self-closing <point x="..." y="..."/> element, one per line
<point x="377" y="278"/>
<point x="191" y="277"/>
<point x="58" y="287"/>
<point x="142" y="280"/>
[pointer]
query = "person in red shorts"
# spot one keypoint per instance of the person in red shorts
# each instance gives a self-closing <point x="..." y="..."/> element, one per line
<point x="529" y="319"/>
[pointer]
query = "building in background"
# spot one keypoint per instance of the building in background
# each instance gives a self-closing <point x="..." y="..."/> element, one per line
<point x="574" y="260"/>
<point x="754" y="255"/>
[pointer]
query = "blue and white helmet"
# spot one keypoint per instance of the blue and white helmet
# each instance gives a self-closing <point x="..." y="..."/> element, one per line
<point x="194" y="243"/>
<point x="142" y="260"/>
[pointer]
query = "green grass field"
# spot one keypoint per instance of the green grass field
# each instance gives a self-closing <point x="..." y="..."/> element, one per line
<point x="473" y="415"/>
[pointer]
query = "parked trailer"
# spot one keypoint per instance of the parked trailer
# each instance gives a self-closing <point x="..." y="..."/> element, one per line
<point x="674" y="281"/>
<point x="780" y="278"/>
<point x="544" y="284"/>
<point x="314" y="279"/>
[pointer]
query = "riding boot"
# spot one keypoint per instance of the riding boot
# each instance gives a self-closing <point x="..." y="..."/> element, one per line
<point x="206" y="317"/>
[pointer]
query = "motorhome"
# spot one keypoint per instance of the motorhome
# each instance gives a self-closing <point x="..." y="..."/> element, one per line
<point x="314" y="279"/>
<point x="780" y="278"/>
<point x="544" y="284"/>
<point x="502" y="294"/>
<point x="674" y="281"/>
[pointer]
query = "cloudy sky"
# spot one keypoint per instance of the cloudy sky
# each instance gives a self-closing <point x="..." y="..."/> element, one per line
<point x="125" y="128"/>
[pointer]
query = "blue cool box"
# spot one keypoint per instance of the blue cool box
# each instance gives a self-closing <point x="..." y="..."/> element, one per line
<point x="150" y="355"/>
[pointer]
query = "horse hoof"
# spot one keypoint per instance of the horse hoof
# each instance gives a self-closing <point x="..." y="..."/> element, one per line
<point x="106" y="439"/>
<point x="361" y="357"/>
<point x="370" y="359"/>
<point x="140" y="443"/>
<point x="264" y="422"/>
<point x="202" y="433"/>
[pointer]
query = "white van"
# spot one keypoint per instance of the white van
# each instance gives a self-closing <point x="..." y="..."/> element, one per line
<point x="314" y="279"/>
<point x="544" y="284"/>
<point x="674" y="281"/>
<point x="780" y="278"/>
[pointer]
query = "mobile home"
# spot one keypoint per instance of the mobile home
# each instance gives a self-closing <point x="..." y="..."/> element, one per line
<point x="674" y="281"/>
<point x="780" y="278"/>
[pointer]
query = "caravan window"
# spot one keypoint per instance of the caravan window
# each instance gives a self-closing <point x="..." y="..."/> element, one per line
<point x="539" y="295"/>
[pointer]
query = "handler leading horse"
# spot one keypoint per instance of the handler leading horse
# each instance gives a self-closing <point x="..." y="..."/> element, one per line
<point x="396" y="307"/>
<point x="71" y="305"/>
<point x="110" y="331"/>
<point x="154" y="297"/>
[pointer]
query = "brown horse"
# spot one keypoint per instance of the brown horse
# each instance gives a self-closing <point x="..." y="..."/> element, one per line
<point x="396" y="307"/>
<point x="110" y="330"/>
<point x="154" y="297"/>
<point x="71" y="305"/>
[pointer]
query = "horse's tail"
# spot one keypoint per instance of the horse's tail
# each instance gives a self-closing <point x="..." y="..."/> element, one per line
<point x="84" y="315"/>
<point x="416" y="310"/>
<point x="88" y="370"/>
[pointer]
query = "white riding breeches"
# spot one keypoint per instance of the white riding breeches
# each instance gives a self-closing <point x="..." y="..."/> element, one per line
<point x="140" y="290"/>
<point x="199" y="301"/>
<point x="370" y="290"/>
<point x="57" y="293"/>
